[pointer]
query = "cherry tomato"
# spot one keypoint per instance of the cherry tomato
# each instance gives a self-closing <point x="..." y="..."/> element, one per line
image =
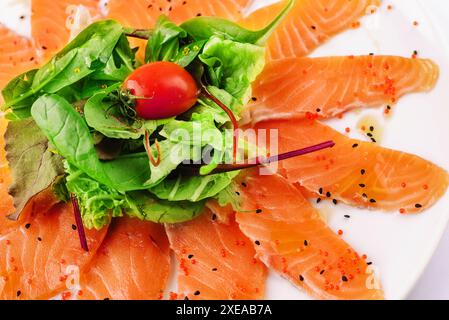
<point x="162" y="90"/>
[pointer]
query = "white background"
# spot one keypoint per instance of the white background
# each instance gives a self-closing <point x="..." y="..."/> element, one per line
<point x="434" y="284"/>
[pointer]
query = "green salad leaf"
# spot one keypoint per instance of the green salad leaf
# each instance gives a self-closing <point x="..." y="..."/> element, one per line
<point x="104" y="116"/>
<point x="99" y="203"/>
<point x="196" y="188"/>
<point x="201" y="28"/>
<point x="70" y="135"/>
<point x="168" y="42"/>
<point x="88" y="52"/>
<point x="120" y="64"/>
<point x="163" y="45"/>
<point x="233" y="66"/>
<point x="34" y="165"/>
<point x="145" y="206"/>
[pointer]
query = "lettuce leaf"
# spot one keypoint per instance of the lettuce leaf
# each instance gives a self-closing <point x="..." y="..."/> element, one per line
<point x="100" y="203"/>
<point x="233" y="66"/>
<point x="196" y="188"/>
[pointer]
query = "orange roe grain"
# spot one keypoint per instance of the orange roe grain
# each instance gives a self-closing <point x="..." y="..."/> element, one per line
<point x="66" y="295"/>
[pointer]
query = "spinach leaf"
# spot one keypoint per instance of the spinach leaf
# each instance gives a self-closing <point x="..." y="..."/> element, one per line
<point x="17" y="88"/>
<point x="193" y="188"/>
<point x="188" y="53"/>
<point x="172" y="155"/>
<point x="163" y="45"/>
<point x="105" y="117"/>
<point x="34" y="165"/>
<point x="88" y="52"/>
<point x="120" y="64"/>
<point x="70" y="135"/>
<point x="203" y="28"/>
<point x="145" y="206"/>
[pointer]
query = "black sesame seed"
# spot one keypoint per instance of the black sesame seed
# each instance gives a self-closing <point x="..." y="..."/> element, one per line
<point x="73" y="227"/>
<point x="259" y="211"/>
<point x="335" y="201"/>
<point x="190" y="256"/>
<point x="306" y="243"/>
<point x="347" y="216"/>
<point x="244" y="184"/>
<point x="369" y="134"/>
<point x="301" y="278"/>
<point x="362" y="185"/>
<point x="369" y="263"/>
<point x="196" y="293"/>
<point x="257" y="242"/>
<point x="355" y="145"/>
<point x="322" y="271"/>
<point x="363" y="171"/>
<point x="254" y="99"/>
<point x="19" y="293"/>
<point x="320" y="190"/>
<point x="344" y="278"/>
<point x="214" y="269"/>
<point x="28" y="225"/>
<point x="237" y="193"/>
<point x="371" y="128"/>
<point x="365" y="195"/>
<point x="318" y="200"/>
<point x="39" y="239"/>
<point x="328" y="194"/>
<point x="417" y="206"/>
<point x="214" y="217"/>
<point x="186" y="298"/>
<point x="373" y="140"/>
<point x="372" y="200"/>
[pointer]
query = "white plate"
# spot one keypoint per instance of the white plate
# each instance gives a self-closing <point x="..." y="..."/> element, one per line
<point x="400" y="247"/>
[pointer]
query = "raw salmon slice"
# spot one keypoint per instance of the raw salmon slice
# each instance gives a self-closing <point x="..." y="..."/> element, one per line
<point x="229" y="9"/>
<point x="17" y="55"/>
<point x="326" y="87"/>
<point x="133" y="263"/>
<point x="139" y="14"/>
<point x="291" y="238"/>
<point x="49" y="22"/>
<point x="216" y="261"/>
<point x="311" y="23"/>
<point x="37" y="256"/>
<point x="358" y="173"/>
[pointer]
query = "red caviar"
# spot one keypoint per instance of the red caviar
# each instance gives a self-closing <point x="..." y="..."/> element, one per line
<point x="66" y="295"/>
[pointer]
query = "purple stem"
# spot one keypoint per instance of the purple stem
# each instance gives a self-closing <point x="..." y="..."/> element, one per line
<point x="79" y="223"/>
<point x="283" y="156"/>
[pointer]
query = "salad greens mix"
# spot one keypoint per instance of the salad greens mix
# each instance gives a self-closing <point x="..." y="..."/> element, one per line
<point x="71" y="130"/>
